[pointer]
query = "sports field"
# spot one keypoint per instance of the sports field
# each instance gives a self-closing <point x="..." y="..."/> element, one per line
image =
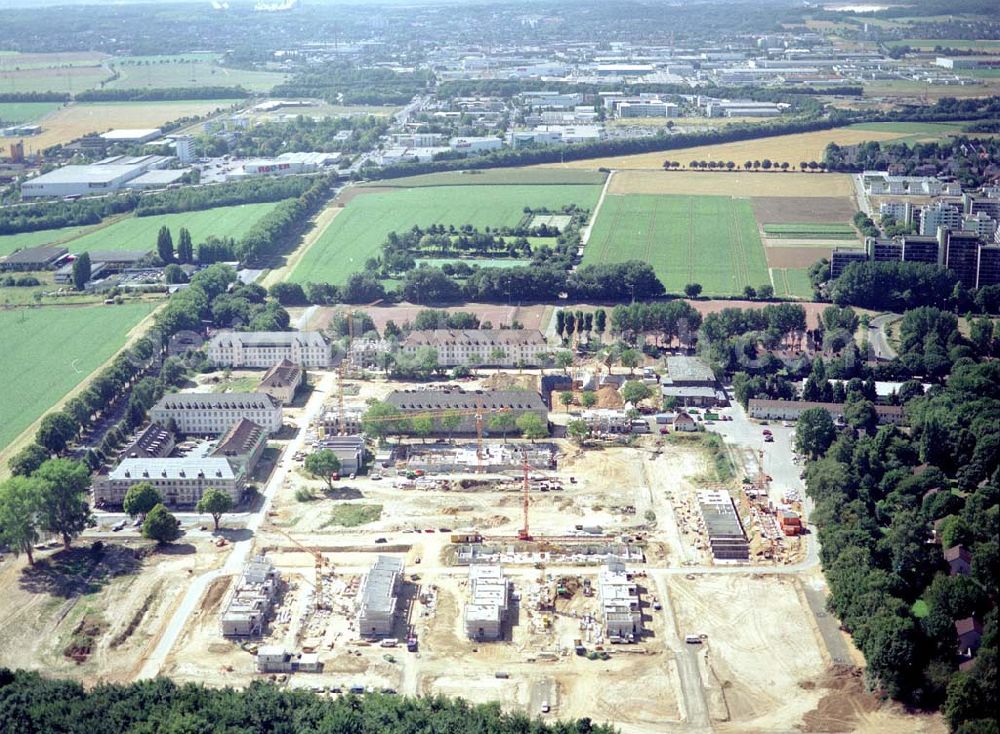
<point x="139" y="233"/>
<point x="359" y="231"/>
<point x="75" y="120"/>
<point x="711" y="240"/>
<point x="15" y="113"/>
<point x="49" y="351"/>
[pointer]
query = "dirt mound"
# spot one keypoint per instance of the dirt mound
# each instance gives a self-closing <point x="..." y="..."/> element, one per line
<point x="493" y="521"/>
<point x="846" y="700"/>
<point x="213" y="596"/>
<point x="505" y="381"/>
<point x="457" y="510"/>
<point x="609" y="397"/>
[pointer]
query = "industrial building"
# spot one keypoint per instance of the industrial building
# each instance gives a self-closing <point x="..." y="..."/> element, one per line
<point x="726" y="536"/>
<point x="621" y="616"/>
<point x="264" y="349"/>
<point x="379" y="596"/>
<point x="490" y="402"/>
<point x="204" y="414"/>
<point x="249" y="606"/>
<point x="489" y="602"/>
<point x="474" y="347"/>
<point x="281" y="381"/>
<point x="181" y="481"/>
<point x="285" y="164"/>
<point x="111" y="174"/>
<point x="133" y="136"/>
<point x="476" y="145"/>
<point x="43" y="257"/>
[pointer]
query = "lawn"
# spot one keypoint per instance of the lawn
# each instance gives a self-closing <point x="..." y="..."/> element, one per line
<point x="711" y="240"/>
<point x="139" y="233"/>
<point x="49" y="351"/>
<point x="350" y="516"/>
<point x="16" y="113"/>
<point x="358" y="232"/>
<point x="792" y="283"/>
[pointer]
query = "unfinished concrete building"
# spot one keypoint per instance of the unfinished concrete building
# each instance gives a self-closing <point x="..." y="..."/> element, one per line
<point x="250" y="604"/>
<point x="726" y="536"/>
<point x="379" y="596"/>
<point x="489" y="601"/>
<point x="495" y="458"/>
<point x="620" y="613"/>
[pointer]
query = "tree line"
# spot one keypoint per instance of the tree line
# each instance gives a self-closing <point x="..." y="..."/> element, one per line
<point x="164" y="94"/>
<point x="32" y="703"/>
<point x="343" y="83"/>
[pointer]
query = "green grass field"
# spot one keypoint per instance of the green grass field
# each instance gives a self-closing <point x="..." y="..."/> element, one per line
<point x="911" y="128"/>
<point x="792" y="283"/>
<point x="139" y="233"/>
<point x="811" y="231"/>
<point x="16" y="113"/>
<point x="930" y="43"/>
<point x="712" y="240"/>
<point x="69" y="79"/>
<point x="496" y="176"/>
<point x="49" y="351"/>
<point x="358" y="232"/>
<point x="191" y="70"/>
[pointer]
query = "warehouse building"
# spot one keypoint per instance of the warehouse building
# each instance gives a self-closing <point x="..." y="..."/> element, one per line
<point x="620" y="610"/>
<point x="111" y="174"/>
<point x="379" y="596"/>
<point x="132" y="136"/>
<point x="490" y="402"/>
<point x="474" y="347"/>
<point x="249" y="606"/>
<point x="489" y="601"/>
<point x="264" y="349"/>
<point x="205" y="414"/>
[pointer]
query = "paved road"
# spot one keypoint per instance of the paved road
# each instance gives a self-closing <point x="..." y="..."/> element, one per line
<point x="878" y="340"/>
<point x="240" y="552"/>
<point x="864" y="203"/>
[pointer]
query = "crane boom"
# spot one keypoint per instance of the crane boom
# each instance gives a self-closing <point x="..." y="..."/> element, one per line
<point x="320" y="563"/>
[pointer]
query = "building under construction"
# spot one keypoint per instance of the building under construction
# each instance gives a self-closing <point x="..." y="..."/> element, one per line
<point x="489" y="601"/>
<point x="379" y="596"/>
<point x="493" y="458"/>
<point x="620" y="612"/>
<point x="726" y="536"/>
<point x="249" y="607"/>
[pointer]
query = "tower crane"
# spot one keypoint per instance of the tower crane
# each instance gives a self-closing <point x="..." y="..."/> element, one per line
<point x="342" y="367"/>
<point x="320" y="564"/>
<point x="524" y="533"/>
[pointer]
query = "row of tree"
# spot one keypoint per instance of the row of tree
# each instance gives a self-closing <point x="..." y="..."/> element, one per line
<point x="276" y="229"/>
<point x="144" y="94"/>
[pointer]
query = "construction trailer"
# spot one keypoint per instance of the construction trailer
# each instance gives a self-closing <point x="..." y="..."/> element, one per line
<point x="378" y="597"/>
<point x="489" y="602"/>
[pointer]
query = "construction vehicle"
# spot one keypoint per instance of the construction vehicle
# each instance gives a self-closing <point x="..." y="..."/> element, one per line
<point x="320" y="565"/>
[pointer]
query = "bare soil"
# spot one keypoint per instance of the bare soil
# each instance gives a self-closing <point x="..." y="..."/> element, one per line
<point x="795" y="209"/>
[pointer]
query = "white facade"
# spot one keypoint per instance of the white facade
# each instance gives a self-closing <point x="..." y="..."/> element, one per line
<point x="489" y="600"/>
<point x="937" y="215"/>
<point x="983" y="225"/>
<point x="213" y="413"/>
<point x="264" y="349"/>
<point x="501" y="347"/>
<point x="476" y="145"/>
<point x="378" y="597"/>
<point x="647" y="108"/>
<point x="621" y="616"/>
<point x="111" y="174"/>
<point x="249" y="605"/>
<point x="181" y="481"/>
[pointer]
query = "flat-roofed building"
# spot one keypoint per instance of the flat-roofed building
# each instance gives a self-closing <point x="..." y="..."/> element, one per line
<point x="988" y="267"/>
<point x="263" y="349"/>
<point x="350" y="451"/>
<point x="335" y="423"/>
<point x="132" y="135"/>
<point x="691" y="382"/>
<point x="281" y="381"/>
<point x="726" y="536"/>
<point x="621" y="616"/>
<point x="474" y="347"/>
<point x="939" y="214"/>
<point x="110" y="174"/>
<point x="489" y="601"/>
<point x="152" y="442"/>
<point x="181" y="482"/>
<point x="921" y="249"/>
<point x="208" y="414"/>
<point x="881" y="249"/>
<point x="961" y="253"/>
<point x="249" y="606"/>
<point x="841" y="258"/>
<point x="378" y="597"/>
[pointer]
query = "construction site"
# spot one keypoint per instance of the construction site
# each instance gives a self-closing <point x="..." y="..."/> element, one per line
<point x="563" y="578"/>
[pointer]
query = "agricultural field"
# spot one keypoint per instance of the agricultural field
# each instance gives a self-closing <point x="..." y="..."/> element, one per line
<point x="803" y="186"/>
<point x="916" y="89"/>
<point x="778" y="210"/>
<point x="792" y="283"/>
<point x="63" y="79"/>
<point x="496" y="176"/>
<point x="190" y="70"/>
<point x="48" y="351"/>
<point x="11" y="242"/>
<point x="791" y="148"/>
<point x="139" y="233"/>
<point x="810" y="231"/>
<point x="10" y="60"/>
<point x="712" y="240"/>
<point x="928" y="44"/>
<point x="75" y="120"/>
<point x="16" y="113"/>
<point x="359" y="231"/>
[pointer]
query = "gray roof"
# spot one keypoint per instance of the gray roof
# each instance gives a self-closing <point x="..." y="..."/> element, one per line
<point x="94" y="173"/>
<point x="118" y="255"/>
<point x="688" y="369"/>
<point x="180" y="468"/>
<point x="41" y="254"/>
<point x="417" y="400"/>
<point x="378" y="593"/>
<point x="475" y="337"/>
<point x="179" y="401"/>
<point x="268" y="338"/>
<point x="689" y="392"/>
<point x="242" y="438"/>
